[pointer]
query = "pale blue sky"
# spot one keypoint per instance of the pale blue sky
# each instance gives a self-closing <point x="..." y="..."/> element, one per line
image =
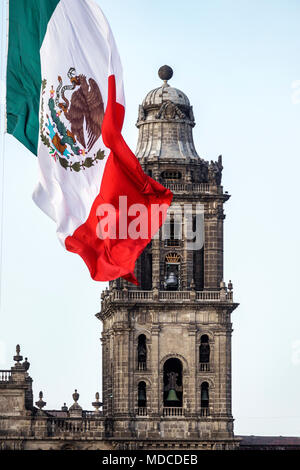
<point x="236" y="60"/>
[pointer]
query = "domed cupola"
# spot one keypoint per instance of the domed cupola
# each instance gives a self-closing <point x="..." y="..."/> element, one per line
<point x="165" y="124"/>
<point x="165" y="145"/>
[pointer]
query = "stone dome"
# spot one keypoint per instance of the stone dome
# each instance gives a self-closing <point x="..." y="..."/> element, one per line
<point x="166" y="93"/>
<point x="165" y="122"/>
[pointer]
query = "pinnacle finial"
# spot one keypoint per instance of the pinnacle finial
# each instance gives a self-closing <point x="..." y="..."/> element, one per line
<point x="64" y="408"/>
<point x="165" y="73"/>
<point x="18" y="358"/>
<point x="40" y="403"/>
<point x="97" y="404"/>
<point x="75" y="396"/>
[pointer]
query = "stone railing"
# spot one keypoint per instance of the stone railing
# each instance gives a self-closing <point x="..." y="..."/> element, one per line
<point x="132" y="295"/>
<point x="181" y="295"/>
<point x="174" y="411"/>
<point x="142" y="411"/>
<point x="208" y="295"/>
<point x="5" y="375"/>
<point x="188" y="187"/>
<point x="174" y="295"/>
<point x="91" y="414"/>
<point x="204" y="412"/>
<point x="56" y="426"/>
<point x="204" y="366"/>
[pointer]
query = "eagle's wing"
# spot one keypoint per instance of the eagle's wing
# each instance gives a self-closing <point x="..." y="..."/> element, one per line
<point x="94" y="113"/>
<point x="76" y="114"/>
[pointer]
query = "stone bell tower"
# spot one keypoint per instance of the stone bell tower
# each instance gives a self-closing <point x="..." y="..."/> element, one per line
<point x="167" y="343"/>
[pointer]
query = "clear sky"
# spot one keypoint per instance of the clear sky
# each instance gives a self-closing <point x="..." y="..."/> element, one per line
<point x="237" y="61"/>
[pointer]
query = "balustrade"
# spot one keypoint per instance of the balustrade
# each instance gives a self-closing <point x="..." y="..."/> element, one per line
<point x="73" y="426"/>
<point x="188" y="187"/>
<point x="204" y="366"/>
<point x="142" y="411"/>
<point x="204" y="412"/>
<point x="163" y="295"/>
<point x="174" y="411"/>
<point x="5" y="375"/>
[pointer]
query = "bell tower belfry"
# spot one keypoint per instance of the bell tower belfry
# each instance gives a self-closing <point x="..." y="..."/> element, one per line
<point x="166" y="344"/>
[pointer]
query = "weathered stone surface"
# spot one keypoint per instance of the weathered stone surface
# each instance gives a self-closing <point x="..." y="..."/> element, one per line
<point x="172" y="322"/>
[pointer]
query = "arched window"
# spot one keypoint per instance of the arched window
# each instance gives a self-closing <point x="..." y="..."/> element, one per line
<point x="204" y="399"/>
<point x="142" y="395"/>
<point x="173" y="383"/>
<point x="142" y="353"/>
<point x="204" y="353"/>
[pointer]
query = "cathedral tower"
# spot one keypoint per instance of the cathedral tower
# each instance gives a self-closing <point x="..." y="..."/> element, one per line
<point x="167" y="344"/>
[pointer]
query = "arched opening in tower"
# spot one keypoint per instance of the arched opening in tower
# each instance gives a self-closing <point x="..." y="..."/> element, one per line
<point x="204" y="353"/>
<point x="142" y="396"/>
<point x="142" y="353"/>
<point x="204" y="396"/>
<point x="172" y="383"/>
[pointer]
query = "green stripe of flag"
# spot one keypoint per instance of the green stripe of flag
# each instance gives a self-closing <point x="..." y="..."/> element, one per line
<point x="28" y="20"/>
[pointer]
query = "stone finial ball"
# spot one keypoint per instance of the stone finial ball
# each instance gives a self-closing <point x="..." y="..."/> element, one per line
<point x="165" y="72"/>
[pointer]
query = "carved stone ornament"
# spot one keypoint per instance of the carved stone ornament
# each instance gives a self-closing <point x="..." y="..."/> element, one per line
<point x="142" y="115"/>
<point x="215" y="171"/>
<point x="191" y="114"/>
<point x="169" y="110"/>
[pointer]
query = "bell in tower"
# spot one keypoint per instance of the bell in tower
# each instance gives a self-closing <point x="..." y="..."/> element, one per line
<point x="167" y="342"/>
<point x="171" y="281"/>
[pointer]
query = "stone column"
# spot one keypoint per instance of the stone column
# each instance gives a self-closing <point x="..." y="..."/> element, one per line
<point x="155" y="366"/>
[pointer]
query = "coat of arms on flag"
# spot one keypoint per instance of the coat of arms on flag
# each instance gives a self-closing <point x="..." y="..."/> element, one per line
<point x="71" y="117"/>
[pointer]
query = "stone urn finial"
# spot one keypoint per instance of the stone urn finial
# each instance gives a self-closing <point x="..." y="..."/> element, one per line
<point x="40" y="403"/>
<point x="18" y="358"/>
<point x="75" y="410"/>
<point x="75" y="396"/>
<point x="97" y="404"/>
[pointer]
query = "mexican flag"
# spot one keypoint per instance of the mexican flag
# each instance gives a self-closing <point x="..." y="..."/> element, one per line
<point x="65" y="103"/>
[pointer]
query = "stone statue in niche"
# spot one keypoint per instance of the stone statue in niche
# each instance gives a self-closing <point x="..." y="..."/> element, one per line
<point x="169" y="110"/>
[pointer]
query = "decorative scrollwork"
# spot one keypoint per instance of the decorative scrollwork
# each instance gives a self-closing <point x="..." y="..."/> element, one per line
<point x="169" y="110"/>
